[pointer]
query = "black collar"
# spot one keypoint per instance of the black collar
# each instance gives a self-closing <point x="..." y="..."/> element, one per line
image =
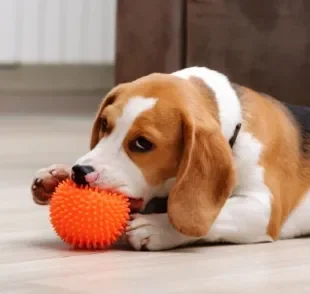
<point x="233" y="139"/>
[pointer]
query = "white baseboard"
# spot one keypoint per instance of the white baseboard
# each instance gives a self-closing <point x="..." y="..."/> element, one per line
<point x="64" y="79"/>
<point x="49" y="89"/>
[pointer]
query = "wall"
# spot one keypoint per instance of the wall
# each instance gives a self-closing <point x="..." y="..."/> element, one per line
<point x="57" y="31"/>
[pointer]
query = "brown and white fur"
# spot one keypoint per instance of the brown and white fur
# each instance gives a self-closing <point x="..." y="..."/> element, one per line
<point x="256" y="191"/>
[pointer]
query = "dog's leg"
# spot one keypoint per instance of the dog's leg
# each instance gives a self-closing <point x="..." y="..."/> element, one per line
<point x="154" y="232"/>
<point x="46" y="180"/>
<point x="242" y="220"/>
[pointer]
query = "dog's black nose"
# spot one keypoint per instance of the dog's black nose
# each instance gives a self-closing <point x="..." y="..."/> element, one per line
<point x="79" y="172"/>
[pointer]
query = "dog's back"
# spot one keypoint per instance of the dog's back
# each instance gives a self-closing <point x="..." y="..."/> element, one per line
<point x="302" y="116"/>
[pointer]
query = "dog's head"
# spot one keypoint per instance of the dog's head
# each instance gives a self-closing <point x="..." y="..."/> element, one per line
<point x="161" y="135"/>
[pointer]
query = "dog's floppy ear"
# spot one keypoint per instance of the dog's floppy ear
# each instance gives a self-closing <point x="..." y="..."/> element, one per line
<point x="205" y="177"/>
<point x="107" y="100"/>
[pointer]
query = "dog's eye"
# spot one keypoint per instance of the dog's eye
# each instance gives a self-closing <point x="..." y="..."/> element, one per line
<point x="104" y="125"/>
<point x="140" y="144"/>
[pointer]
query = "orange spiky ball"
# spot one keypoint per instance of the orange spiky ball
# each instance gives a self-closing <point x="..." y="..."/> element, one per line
<point x="85" y="217"/>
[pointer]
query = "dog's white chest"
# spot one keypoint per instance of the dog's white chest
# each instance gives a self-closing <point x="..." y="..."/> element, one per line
<point x="250" y="174"/>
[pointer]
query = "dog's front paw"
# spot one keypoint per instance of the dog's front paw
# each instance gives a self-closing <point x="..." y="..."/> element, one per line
<point x="46" y="180"/>
<point x="153" y="232"/>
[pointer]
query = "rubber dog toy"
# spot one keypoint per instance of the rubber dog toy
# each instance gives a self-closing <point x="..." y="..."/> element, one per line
<point x="88" y="218"/>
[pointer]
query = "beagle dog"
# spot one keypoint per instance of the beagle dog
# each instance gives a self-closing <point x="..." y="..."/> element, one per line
<point x="234" y="163"/>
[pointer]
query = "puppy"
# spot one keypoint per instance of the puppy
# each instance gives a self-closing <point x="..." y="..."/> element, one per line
<point x="235" y="163"/>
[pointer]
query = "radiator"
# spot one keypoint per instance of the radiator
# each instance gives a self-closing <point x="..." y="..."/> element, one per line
<point x="57" y="31"/>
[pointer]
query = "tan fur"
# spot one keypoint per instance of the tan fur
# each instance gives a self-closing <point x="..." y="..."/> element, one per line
<point x="285" y="167"/>
<point x="96" y="133"/>
<point x="208" y="95"/>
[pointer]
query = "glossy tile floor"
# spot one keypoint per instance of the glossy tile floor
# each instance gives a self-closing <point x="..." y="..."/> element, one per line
<point x="33" y="260"/>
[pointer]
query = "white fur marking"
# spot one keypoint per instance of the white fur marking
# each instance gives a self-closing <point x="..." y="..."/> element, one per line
<point x="250" y="175"/>
<point x="155" y="232"/>
<point x="227" y="100"/>
<point x="116" y="169"/>
<point x="245" y="216"/>
<point x="243" y="219"/>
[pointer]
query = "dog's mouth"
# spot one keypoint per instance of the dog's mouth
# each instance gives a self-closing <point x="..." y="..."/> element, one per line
<point x="135" y="205"/>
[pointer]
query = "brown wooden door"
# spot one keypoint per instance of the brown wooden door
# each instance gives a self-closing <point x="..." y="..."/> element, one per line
<point x="262" y="44"/>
